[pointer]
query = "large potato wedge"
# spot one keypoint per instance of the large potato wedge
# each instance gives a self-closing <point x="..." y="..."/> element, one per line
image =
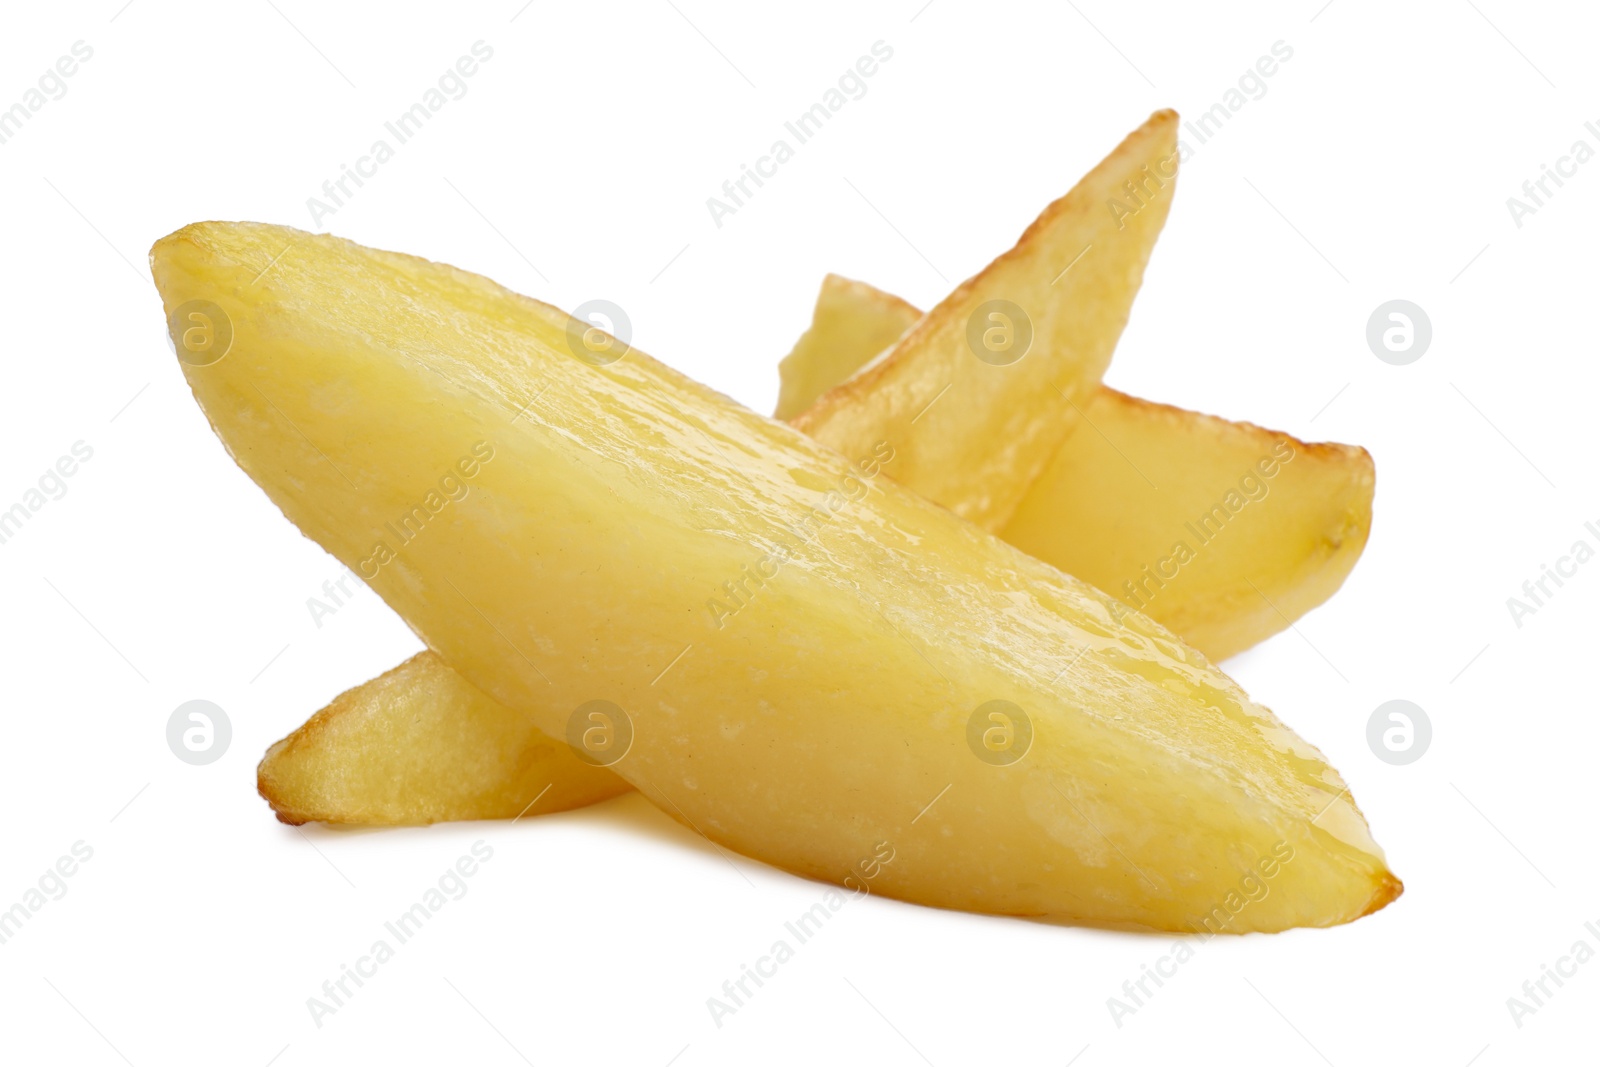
<point x="973" y="433"/>
<point x="419" y="745"/>
<point x="809" y="656"/>
<point x="848" y="327"/>
<point x="1223" y="532"/>
<point x="1092" y="513"/>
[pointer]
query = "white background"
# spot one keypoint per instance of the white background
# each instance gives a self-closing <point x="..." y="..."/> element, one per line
<point x="1376" y="166"/>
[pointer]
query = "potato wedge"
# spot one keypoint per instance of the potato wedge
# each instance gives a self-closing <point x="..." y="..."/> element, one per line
<point x="419" y="745"/>
<point x="1223" y="532"/>
<point x="809" y="661"/>
<point x="980" y="393"/>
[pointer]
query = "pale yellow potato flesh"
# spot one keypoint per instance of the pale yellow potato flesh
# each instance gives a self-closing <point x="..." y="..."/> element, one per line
<point x="418" y="745"/>
<point x="1223" y="532"/>
<point x="851" y="323"/>
<point x="799" y="644"/>
<point x="973" y="435"/>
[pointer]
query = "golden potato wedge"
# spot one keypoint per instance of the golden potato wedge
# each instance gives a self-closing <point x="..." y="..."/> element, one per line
<point x="809" y="662"/>
<point x="420" y="745"/>
<point x="1223" y="532"/>
<point x="979" y="394"/>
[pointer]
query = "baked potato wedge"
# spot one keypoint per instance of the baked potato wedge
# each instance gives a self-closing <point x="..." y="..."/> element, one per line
<point x="419" y="745"/>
